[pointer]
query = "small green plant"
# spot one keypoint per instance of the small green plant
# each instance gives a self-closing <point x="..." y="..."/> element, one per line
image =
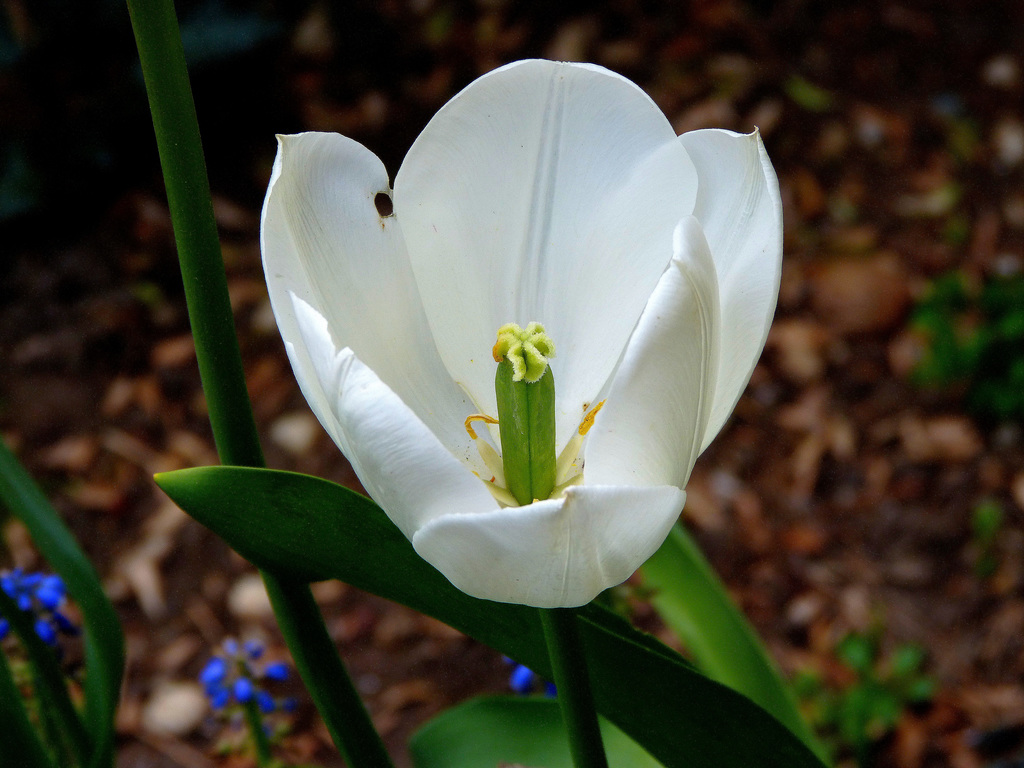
<point x="986" y="522"/>
<point x="974" y="336"/>
<point x="854" y="717"/>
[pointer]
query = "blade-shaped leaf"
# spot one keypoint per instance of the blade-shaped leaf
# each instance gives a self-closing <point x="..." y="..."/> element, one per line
<point x="61" y="722"/>
<point x="694" y="603"/>
<point x="498" y="730"/>
<point x="104" y="641"/>
<point x="304" y="527"/>
<point x="19" y="742"/>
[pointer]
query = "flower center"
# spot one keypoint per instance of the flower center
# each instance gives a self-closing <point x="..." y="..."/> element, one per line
<point x="526" y="350"/>
<point x="524" y="386"/>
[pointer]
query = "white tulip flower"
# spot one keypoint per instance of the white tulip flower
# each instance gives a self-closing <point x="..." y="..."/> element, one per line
<point x="548" y="193"/>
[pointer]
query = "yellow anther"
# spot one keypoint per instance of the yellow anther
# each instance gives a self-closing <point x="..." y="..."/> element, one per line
<point x="478" y="417"/>
<point x="588" y="420"/>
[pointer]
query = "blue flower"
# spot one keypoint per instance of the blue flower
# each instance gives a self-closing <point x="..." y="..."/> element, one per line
<point x="266" y="702"/>
<point x="524" y="680"/>
<point x="219" y="698"/>
<point x="42" y="595"/>
<point x="213" y="674"/>
<point x="233" y="678"/>
<point x="243" y="689"/>
<point x="276" y="671"/>
<point x="46" y="632"/>
<point x="521" y="679"/>
<point x="253" y="649"/>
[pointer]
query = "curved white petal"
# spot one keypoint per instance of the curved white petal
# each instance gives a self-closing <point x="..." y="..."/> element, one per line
<point x="542" y="192"/>
<point x="323" y="240"/>
<point x="649" y="431"/>
<point x="554" y="553"/>
<point x="399" y="461"/>
<point x="739" y="208"/>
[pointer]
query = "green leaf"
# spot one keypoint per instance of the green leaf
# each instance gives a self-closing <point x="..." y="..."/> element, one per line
<point x="304" y="527"/>
<point x="489" y="731"/>
<point x="62" y="724"/>
<point x="694" y="603"/>
<point x="19" y="742"/>
<point x="987" y="521"/>
<point x="104" y="642"/>
<point x="921" y="690"/>
<point x="906" y="660"/>
<point x="858" y="652"/>
<point x="811" y="97"/>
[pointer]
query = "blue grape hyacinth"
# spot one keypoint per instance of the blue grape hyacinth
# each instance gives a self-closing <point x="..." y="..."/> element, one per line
<point x="44" y="596"/>
<point x="524" y="681"/>
<point x="236" y="677"/>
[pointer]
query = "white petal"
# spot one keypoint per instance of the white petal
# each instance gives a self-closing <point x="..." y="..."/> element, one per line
<point x="323" y="240"/>
<point x="543" y="192"/>
<point x="649" y="430"/>
<point x="554" y="553"/>
<point x="400" y="462"/>
<point x="739" y="207"/>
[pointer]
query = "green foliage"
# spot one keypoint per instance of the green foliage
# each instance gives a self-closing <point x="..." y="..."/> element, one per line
<point x="90" y="734"/>
<point x="854" y="717"/>
<point x="811" y="97"/>
<point x="48" y="702"/>
<point x="986" y="522"/>
<point x="302" y="527"/>
<point x="489" y="731"/>
<point x="695" y="605"/>
<point x="21" y="744"/>
<point x="974" y="335"/>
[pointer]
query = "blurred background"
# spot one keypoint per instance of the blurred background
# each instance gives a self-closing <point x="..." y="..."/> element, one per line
<point x="866" y="503"/>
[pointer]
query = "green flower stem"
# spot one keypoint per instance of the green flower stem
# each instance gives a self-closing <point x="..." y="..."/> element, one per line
<point x="260" y="742"/>
<point x="314" y="654"/>
<point x="569" y="667"/>
<point x="195" y="230"/>
<point x="220" y="362"/>
<point x="694" y="603"/>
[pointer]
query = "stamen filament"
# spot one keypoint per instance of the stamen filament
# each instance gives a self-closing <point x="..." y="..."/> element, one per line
<point x="566" y="462"/>
<point x="502" y="495"/>
<point x="492" y="461"/>
<point x="477" y="417"/>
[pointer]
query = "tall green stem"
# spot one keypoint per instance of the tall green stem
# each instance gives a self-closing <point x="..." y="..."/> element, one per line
<point x="195" y="230"/>
<point x="260" y="742"/>
<point x="569" y="667"/>
<point x="220" y="361"/>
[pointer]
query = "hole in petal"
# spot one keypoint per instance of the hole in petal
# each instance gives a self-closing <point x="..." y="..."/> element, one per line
<point x="385" y="207"/>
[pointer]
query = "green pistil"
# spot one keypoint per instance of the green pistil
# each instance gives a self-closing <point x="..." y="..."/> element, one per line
<point x="525" y="391"/>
